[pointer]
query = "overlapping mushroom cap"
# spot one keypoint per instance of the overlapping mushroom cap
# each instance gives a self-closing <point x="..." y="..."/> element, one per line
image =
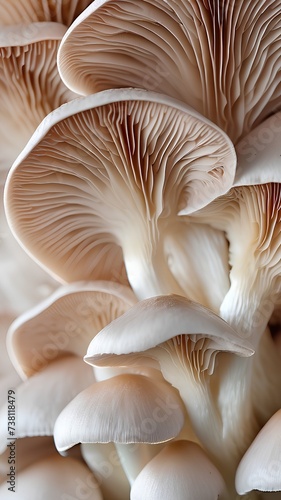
<point x="111" y="171"/>
<point x="30" y="86"/>
<point x="221" y="57"/>
<point x="65" y="323"/>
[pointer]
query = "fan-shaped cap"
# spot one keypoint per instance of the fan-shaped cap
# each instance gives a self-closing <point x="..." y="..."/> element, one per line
<point x="65" y="323"/>
<point x="123" y="409"/>
<point x="181" y="470"/>
<point x="105" y="172"/>
<point x="259" y="469"/>
<point x="30" y="86"/>
<point x="222" y="58"/>
<point x="154" y="321"/>
<point x="54" y="477"/>
<point x="28" y="11"/>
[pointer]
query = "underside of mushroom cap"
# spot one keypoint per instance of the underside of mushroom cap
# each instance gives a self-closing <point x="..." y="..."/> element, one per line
<point x="29" y="11"/>
<point x="30" y="86"/>
<point x="154" y="321"/>
<point x="64" y="323"/>
<point x="222" y="58"/>
<point x="100" y="168"/>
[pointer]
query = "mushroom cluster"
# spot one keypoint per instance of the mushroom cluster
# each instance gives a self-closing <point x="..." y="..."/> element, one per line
<point x="140" y="249"/>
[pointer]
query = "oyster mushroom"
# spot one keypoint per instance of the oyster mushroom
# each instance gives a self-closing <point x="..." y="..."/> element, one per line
<point x="183" y="338"/>
<point x="180" y="470"/>
<point x="54" y="477"/>
<point x="114" y="170"/>
<point x="128" y="410"/>
<point x="30" y="86"/>
<point x="64" y="323"/>
<point x="221" y="57"/>
<point x="40" y="399"/>
<point x="259" y="468"/>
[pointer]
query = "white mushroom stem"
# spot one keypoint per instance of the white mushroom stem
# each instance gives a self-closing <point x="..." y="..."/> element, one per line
<point x="135" y="456"/>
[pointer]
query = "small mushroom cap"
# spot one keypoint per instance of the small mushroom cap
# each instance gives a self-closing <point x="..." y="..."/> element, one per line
<point x="156" y="320"/>
<point x="180" y="470"/>
<point x="260" y="467"/>
<point x="98" y="164"/>
<point x="54" y="477"/>
<point x="124" y="409"/>
<point x="40" y="399"/>
<point x="65" y="323"/>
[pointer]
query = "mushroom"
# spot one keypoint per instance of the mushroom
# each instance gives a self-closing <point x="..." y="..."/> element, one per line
<point x="39" y="400"/>
<point x="53" y="477"/>
<point x="125" y="409"/>
<point x="259" y="468"/>
<point x="30" y="86"/>
<point x="23" y="283"/>
<point x="181" y="470"/>
<point x="104" y="461"/>
<point x="114" y="170"/>
<point x="251" y="218"/>
<point x="184" y="338"/>
<point x="222" y="58"/>
<point x="64" y="323"/>
<point x="28" y="11"/>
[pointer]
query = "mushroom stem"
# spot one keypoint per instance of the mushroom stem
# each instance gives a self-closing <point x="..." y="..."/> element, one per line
<point x="135" y="456"/>
<point x="246" y="311"/>
<point x="148" y="271"/>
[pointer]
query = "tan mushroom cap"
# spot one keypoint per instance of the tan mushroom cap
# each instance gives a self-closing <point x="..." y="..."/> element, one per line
<point x="29" y="11"/>
<point x="65" y="323"/>
<point x="222" y="58"/>
<point x="30" y="86"/>
<point x="124" y="409"/>
<point x="182" y="470"/>
<point x="110" y="171"/>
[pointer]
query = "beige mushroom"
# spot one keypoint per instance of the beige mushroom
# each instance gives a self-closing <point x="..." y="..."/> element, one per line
<point x="30" y="86"/>
<point x="221" y="57"/>
<point x="114" y="170"/>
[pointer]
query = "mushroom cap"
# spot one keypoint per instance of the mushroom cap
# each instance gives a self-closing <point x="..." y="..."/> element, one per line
<point x="181" y="470"/>
<point x="54" y="477"/>
<point x="153" y="321"/>
<point x="64" y="323"/>
<point x="30" y="86"/>
<point x="124" y="409"/>
<point x="23" y="283"/>
<point x="259" y="468"/>
<point x="258" y="154"/>
<point x="28" y="11"/>
<point x="202" y="53"/>
<point x="40" y="399"/>
<point x="100" y="167"/>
